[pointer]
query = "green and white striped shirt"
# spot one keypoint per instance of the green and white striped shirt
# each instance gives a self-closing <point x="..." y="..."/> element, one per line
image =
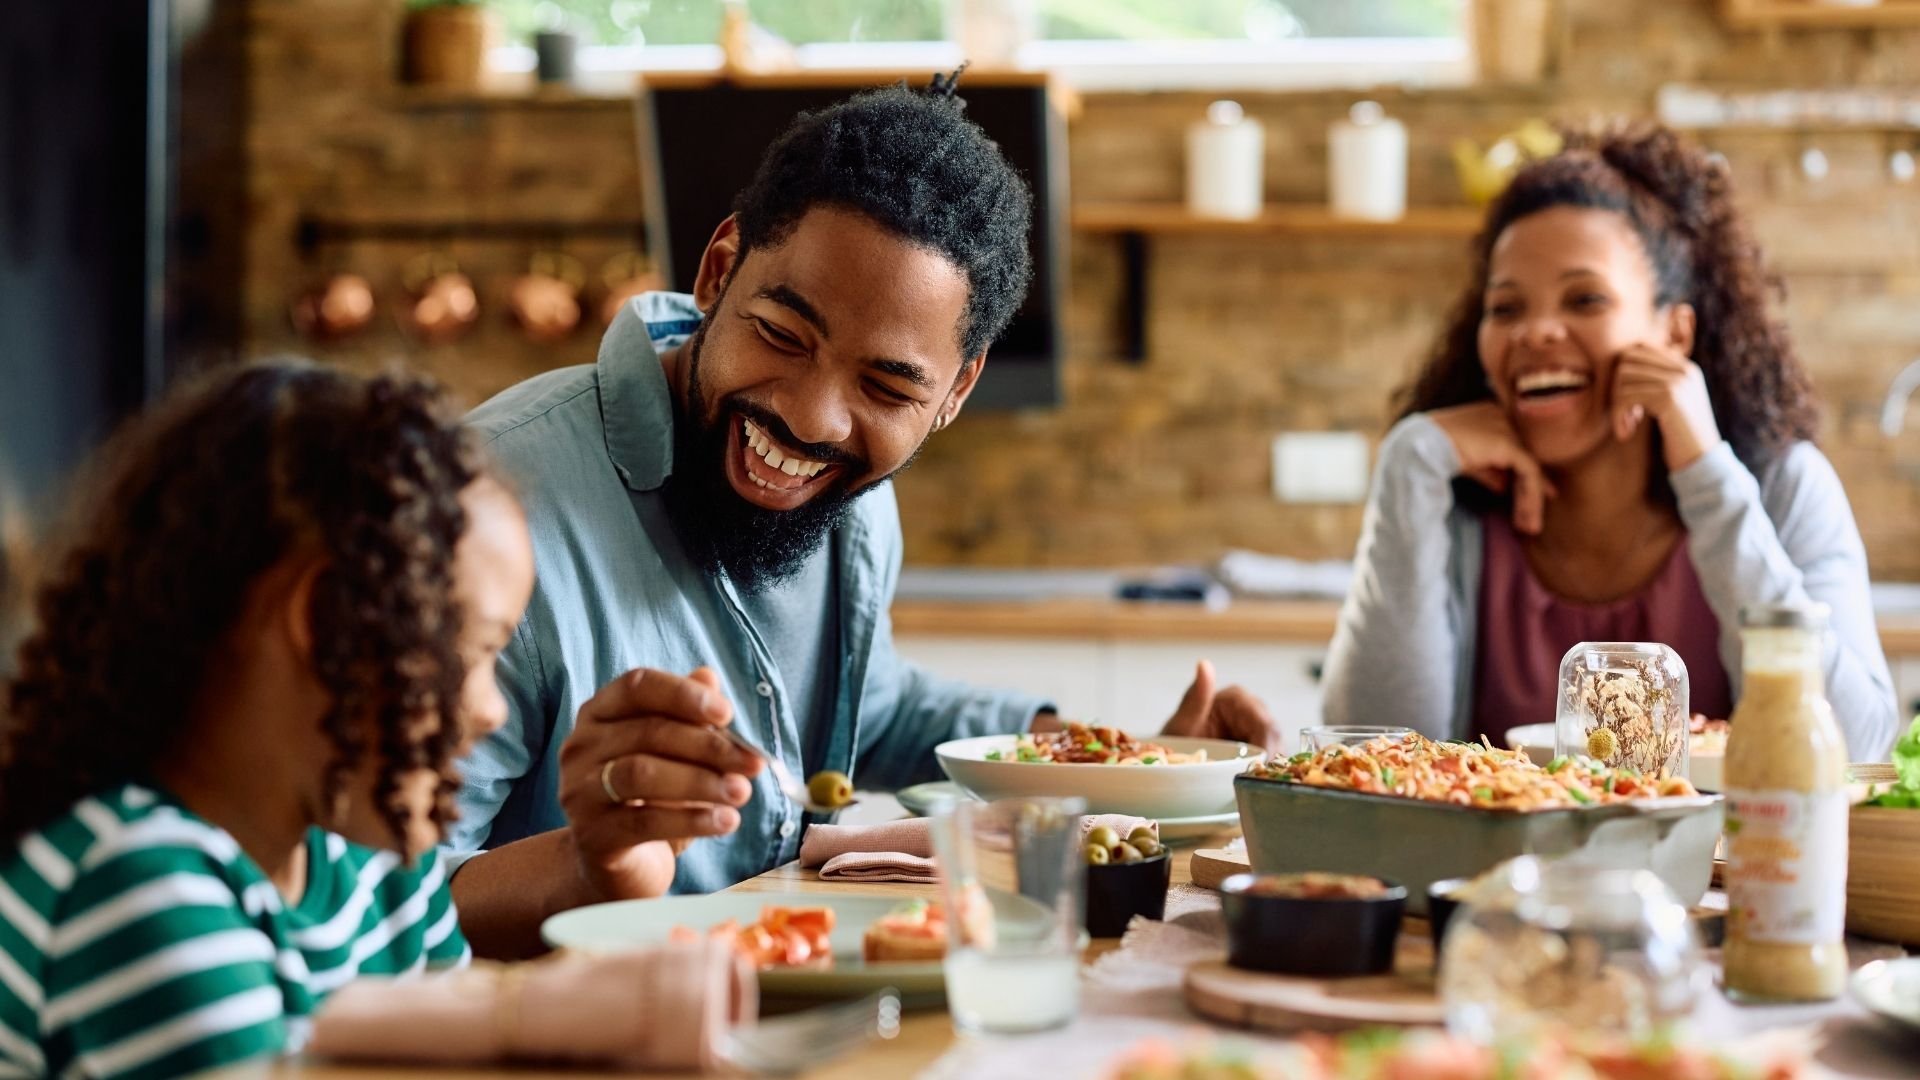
<point x="137" y="940"/>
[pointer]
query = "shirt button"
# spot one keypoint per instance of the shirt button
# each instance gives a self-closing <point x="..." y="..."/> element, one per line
<point x="786" y="829"/>
<point x="764" y="688"/>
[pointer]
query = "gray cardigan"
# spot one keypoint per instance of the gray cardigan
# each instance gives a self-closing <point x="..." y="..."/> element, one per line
<point x="1403" y="652"/>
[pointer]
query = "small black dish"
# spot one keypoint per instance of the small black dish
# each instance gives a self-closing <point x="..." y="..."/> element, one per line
<point x="1443" y="899"/>
<point x="1310" y="936"/>
<point x="1116" y="892"/>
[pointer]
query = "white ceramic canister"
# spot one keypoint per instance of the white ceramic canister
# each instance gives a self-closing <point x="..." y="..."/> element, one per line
<point x="1224" y="163"/>
<point x="1367" y="165"/>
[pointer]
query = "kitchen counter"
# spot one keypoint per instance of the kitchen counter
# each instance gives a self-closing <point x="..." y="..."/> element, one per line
<point x="1305" y="621"/>
<point x="1086" y="618"/>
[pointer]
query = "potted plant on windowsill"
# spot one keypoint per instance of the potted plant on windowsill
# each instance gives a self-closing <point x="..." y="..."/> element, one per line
<point x="446" y="42"/>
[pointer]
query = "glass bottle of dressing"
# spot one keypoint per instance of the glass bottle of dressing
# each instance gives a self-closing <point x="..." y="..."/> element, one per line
<point x="1786" y="790"/>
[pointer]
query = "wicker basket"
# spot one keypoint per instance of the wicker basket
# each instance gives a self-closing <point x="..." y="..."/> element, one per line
<point x="446" y="45"/>
<point x="1883" y="874"/>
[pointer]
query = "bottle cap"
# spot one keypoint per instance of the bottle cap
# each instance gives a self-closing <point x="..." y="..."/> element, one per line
<point x="1809" y="616"/>
<point x="1366" y="113"/>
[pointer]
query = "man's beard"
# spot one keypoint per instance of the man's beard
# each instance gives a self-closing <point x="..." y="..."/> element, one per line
<point x="721" y="531"/>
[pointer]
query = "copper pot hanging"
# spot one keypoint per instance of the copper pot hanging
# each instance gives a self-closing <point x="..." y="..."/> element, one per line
<point x="626" y="276"/>
<point x="545" y="301"/>
<point x="335" y="308"/>
<point x="444" y="304"/>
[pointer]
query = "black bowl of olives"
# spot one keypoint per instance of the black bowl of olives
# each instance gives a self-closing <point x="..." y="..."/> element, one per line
<point x="1125" y="877"/>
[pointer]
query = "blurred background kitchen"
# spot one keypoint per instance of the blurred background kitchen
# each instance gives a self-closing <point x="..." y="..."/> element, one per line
<point x="1187" y="406"/>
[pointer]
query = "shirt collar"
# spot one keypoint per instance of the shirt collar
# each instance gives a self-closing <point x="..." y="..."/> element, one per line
<point x="636" y="401"/>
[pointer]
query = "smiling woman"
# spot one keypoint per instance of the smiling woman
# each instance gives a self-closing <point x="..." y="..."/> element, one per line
<point x="1617" y="432"/>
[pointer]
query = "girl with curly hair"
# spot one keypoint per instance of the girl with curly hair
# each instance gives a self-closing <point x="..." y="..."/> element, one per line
<point x="226" y="753"/>
<point x="1612" y="441"/>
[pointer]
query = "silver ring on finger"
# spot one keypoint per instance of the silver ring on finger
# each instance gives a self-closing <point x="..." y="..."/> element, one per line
<point x="606" y="785"/>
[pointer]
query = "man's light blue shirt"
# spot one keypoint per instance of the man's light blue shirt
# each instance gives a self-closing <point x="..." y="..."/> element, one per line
<point x="589" y="449"/>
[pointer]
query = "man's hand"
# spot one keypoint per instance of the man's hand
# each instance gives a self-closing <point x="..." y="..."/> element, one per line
<point x="645" y="770"/>
<point x="1233" y="713"/>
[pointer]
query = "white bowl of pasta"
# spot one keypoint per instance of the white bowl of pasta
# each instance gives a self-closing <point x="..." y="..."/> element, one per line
<point x="1158" y="776"/>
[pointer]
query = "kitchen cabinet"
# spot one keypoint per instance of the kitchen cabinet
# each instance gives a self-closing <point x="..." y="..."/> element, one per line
<point x="1906" y="682"/>
<point x="1069" y="673"/>
<point x="1147" y="679"/>
<point x="1131" y="684"/>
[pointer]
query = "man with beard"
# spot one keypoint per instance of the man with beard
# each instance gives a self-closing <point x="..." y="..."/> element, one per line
<point x="711" y="497"/>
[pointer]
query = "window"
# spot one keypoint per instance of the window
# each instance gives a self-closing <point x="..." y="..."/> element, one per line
<point x="1245" y="20"/>
<point x="1097" y="44"/>
<point x="697" y="22"/>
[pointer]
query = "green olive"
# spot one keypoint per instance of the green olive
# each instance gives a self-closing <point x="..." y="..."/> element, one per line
<point x="830" y="789"/>
<point x="1103" y="835"/>
<point x="1142" y="834"/>
<point x="1124" y="852"/>
<point x="1098" y="856"/>
<point x="1150" y="849"/>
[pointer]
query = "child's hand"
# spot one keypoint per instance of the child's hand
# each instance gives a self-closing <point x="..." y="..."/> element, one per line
<point x="646" y="763"/>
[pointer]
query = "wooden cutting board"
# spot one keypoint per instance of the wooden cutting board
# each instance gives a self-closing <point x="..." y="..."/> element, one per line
<point x="1211" y="866"/>
<point x="1403" y="998"/>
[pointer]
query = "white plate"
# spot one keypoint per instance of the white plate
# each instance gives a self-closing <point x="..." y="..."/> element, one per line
<point x="612" y="927"/>
<point x="1535" y="739"/>
<point x="921" y="798"/>
<point x="1891" y="988"/>
<point x="1154" y="791"/>
<point x="1183" y="830"/>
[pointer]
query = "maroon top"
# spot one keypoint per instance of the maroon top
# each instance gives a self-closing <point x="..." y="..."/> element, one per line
<point x="1525" y="630"/>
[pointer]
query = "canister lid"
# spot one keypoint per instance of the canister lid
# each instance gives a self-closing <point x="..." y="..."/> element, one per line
<point x="1225" y="113"/>
<point x="1811" y="616"/>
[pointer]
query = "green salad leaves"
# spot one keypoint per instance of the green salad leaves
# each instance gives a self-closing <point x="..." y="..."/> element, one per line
<point x="1905" y="793"/>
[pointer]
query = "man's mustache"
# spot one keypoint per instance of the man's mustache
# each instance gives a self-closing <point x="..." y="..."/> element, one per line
<point x="768" y="421"/>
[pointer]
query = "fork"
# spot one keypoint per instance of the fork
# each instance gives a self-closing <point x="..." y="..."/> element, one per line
<point x="787" y="1045"/>
<point x="792" y="788"/>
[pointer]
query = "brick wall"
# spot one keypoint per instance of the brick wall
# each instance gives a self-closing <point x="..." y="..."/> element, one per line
<point x="1165" y="460"/>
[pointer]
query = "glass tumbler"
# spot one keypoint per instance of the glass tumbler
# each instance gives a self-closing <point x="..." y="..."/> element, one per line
<point x="1316" y="739"/>
<point x="1569" y="947"/>
<point x="1013" y="873"/>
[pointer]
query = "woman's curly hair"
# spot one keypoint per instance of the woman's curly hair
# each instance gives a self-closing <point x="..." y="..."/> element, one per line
<point x="1679" y="201"/>
<point x="188" y="506"/>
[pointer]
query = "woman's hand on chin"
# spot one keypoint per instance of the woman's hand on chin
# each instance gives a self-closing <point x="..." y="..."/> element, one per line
<point x="1491" y="453"/>
<point x="1660" y="383"/>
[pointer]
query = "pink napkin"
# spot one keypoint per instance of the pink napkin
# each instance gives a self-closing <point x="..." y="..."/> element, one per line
<point x="893" y="851"/>
<point x="903" y="850"/>
<point x="664" y="1007"/>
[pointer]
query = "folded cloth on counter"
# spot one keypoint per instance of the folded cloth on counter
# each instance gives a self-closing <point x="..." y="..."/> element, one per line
<point x="666" y="1007"/>
<point x="903" y="850"/>
<point x="1257" y="576"/>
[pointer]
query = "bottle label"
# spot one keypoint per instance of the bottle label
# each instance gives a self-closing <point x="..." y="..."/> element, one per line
<point x="1787" y="866"/>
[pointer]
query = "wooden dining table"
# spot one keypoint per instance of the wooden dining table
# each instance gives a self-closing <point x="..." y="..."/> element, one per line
<point x="1867" y="1051"/>
<point x="925" y="1035"/>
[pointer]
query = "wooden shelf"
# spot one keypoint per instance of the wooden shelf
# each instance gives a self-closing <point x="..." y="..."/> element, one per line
<point x="507" y="92"/>
<point x="1813" y="15"/>
<point x="1174" y="218"/>
<point x="834" y="78"/>
<point x="1136" y="223"/>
